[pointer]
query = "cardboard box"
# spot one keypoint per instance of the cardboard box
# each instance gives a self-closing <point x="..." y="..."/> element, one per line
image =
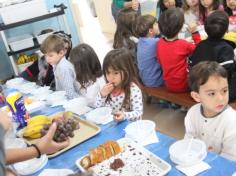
<point x="23" y="11"/>
<point x="21" y="42"/>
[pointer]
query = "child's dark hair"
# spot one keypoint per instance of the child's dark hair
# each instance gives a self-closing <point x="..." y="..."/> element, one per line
<point x="228" y="10"/>
<point x="171" y="22"/>
<point x="121" y="60"/>
<point x="86" y="63"/>
<point x="161" y="5"/>
<point x="53" y="43"/>
<point x="126" y="22"/>
<point x="201" y="72"/>
<point x="202" y="9"/>
<point x="216" y="24"/>
<point x="144" y="23"/>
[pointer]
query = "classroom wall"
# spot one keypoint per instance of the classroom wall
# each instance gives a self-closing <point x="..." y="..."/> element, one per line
<point x="6" y="70"/>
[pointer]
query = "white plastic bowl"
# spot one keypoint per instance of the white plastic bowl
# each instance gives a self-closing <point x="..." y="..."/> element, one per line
<point x="101" y="115"/>
<point x="56" y="97"/>
<point x="141" y="130"/>
<point x="188" y="152"/>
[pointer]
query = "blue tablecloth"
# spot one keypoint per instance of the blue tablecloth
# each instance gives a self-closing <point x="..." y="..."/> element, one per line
<point x="219" y="165"/>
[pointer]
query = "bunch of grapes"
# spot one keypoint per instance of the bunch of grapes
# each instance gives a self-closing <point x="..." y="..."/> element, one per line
<point x="65" y="128"/>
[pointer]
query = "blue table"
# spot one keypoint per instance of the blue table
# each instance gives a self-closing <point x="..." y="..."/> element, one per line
<point x="219" y="165"/>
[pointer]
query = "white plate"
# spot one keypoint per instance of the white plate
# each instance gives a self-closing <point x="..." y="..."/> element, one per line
<point x="14" y="83"/>
<point x="134" y="157"/>
<point x="57" y="172"/>
<point x="30" y="166"/>
<point x="100" y="115"/>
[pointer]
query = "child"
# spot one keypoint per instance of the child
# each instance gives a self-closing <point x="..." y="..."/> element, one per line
<point x="214" y="48"/>
<point x="212" y="119"/>
<point x="88" y="71"/>
<point x="149" y="69"/>
<point x="230" y="9"/>
<point x="172" y="52"/>
<point x="191" y="11"/>
<point x="40" y="70"/>
<point x="121" y="92"/>
<point x="206" y="7"/>
<point x="65" y="78"/>
<point x="163" y="5"/>
<point x="125" y="31"/>
<point x="117" y="5"/>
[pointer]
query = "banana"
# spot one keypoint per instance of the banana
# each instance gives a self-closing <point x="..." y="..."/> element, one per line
<point x="34" y="126"/>
<point x="32" y="131"/>
<point x="36" y="136"/>
<point x="39" y="120"/>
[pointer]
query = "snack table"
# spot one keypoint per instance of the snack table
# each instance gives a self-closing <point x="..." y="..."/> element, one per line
<point x="219" y="165"/>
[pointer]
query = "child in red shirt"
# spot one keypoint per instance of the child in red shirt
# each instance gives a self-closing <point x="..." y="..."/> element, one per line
<point x="172" y="53"/>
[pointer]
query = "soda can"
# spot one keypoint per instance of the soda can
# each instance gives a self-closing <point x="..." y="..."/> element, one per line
<point x="15" y="102"/>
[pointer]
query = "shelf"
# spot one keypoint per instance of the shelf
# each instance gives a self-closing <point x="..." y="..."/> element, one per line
<point x="21" y="51"/>
<point x="39" y="18"/>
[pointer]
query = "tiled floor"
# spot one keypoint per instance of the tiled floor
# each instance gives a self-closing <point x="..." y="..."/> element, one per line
<point x="168" y="121"/>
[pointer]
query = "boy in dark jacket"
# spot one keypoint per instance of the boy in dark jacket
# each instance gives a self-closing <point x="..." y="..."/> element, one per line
<point x="215" y="48"/>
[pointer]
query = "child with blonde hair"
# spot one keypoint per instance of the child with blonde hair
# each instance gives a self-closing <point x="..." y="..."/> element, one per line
<point x="121" y="91"/>
<point x="53" y="47"/>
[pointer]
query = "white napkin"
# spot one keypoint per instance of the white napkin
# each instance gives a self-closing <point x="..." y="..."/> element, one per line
<point x="57" y="172"/>
<point x="79" y="110"/>
<point x="151" y="139"/>
<point x="195" y="169"/>
<point x="35" y="106"/>
<point x="30" y="166"/>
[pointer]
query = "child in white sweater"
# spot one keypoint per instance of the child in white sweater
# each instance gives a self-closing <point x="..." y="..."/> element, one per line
<point x="212" y="119"/>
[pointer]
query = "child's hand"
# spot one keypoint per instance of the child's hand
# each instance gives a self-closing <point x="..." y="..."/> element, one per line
<point x="192" y="27"/>
<point x="106" y="89"/>
<point x="119" y="116"/>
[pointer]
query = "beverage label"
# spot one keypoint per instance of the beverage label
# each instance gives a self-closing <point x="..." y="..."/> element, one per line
<point x="15" y="102"/>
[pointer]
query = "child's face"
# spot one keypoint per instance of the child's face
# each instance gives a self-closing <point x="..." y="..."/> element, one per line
<point x="53" y="57"/>
<point x="207" y="3"/>
<point x="114" y="77"/>
<point x="154" y="30"/>
<point x="231" y="4"/>
<point x="213" y="95"/>
<point x="169" y="3"/>
<point x="192" y="3"/>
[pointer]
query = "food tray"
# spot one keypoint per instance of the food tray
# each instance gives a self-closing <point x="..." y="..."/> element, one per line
<point x="138" y="161"/>
<point x="86" y="131"/>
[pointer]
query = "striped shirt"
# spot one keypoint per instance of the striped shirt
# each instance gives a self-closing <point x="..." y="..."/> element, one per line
<point x="65" y="78"/>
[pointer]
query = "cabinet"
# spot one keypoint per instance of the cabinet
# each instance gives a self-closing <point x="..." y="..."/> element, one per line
<point x="59" y="11"/>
